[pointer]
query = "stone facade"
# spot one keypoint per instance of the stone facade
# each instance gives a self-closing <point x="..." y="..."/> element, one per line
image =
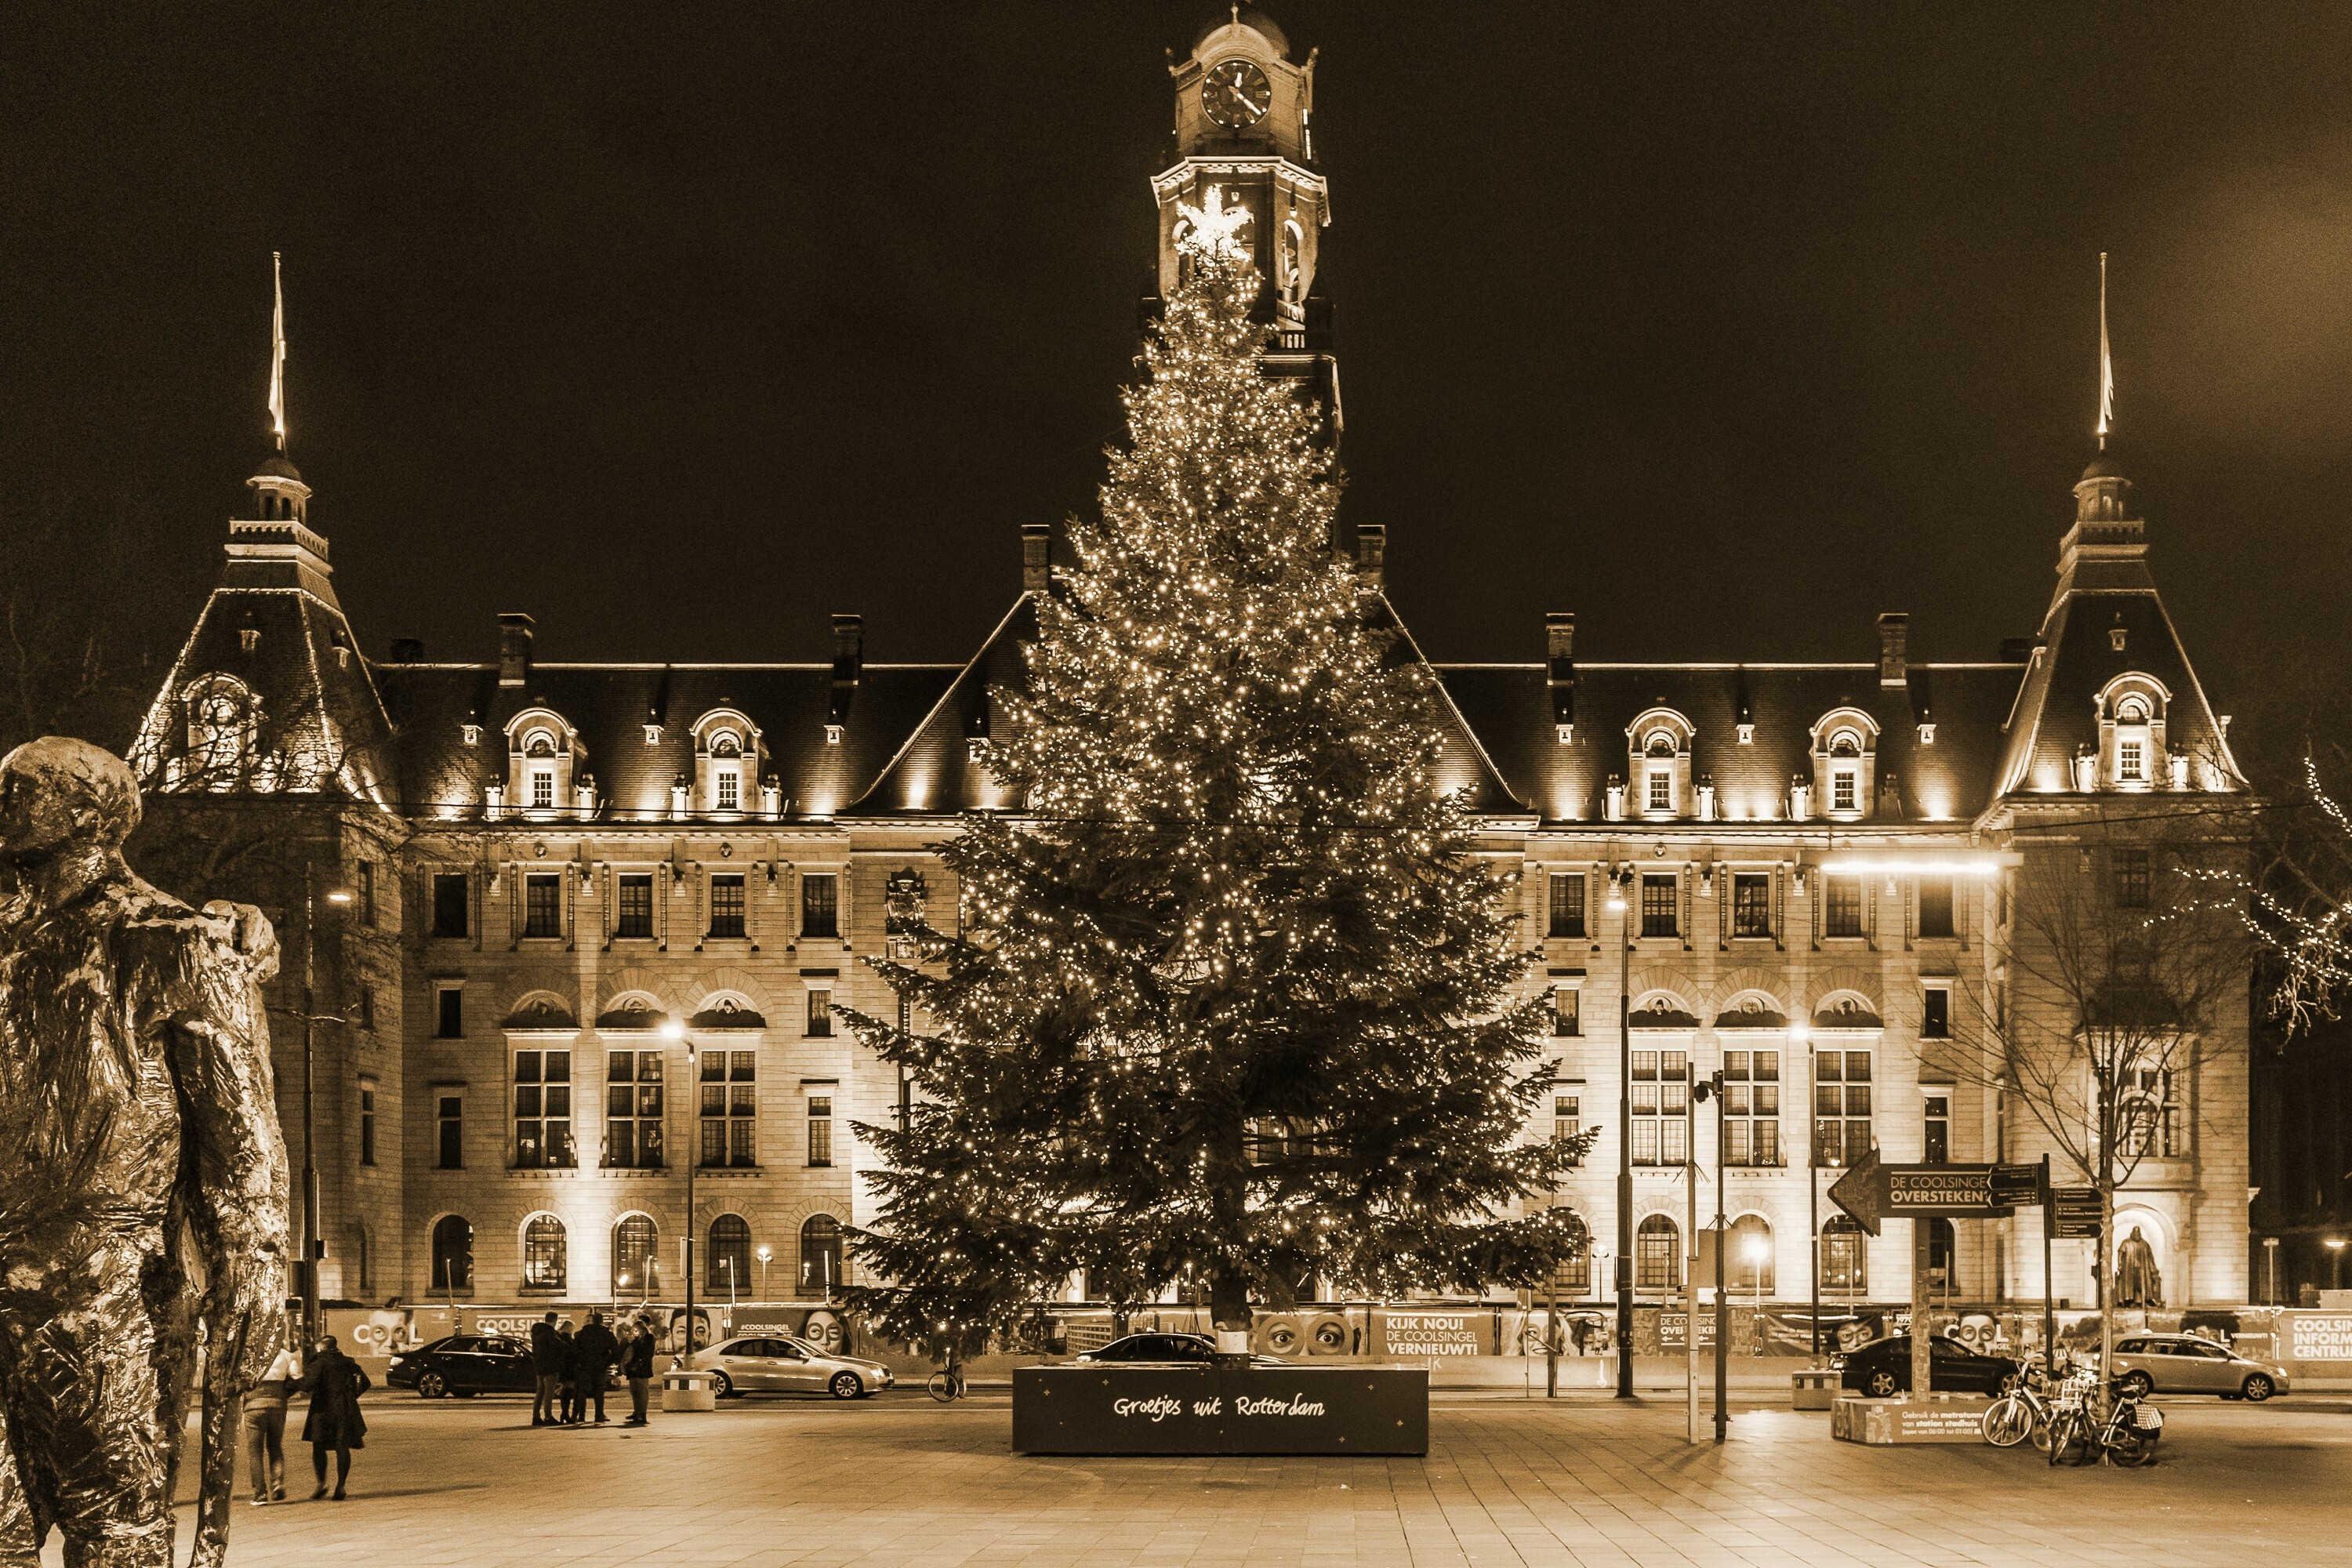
<point x="593" y="881"/>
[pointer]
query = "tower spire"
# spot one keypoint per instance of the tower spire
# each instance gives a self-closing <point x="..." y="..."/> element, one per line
<point x="277" y="350"/>
<point x="2106" y="363"/>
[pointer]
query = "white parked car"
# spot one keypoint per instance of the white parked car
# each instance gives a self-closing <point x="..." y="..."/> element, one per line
<point x="780" y="1363"/>
<point x="2185" y="1363"/>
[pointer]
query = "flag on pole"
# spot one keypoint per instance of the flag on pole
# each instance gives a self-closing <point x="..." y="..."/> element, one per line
<point x="2106" y="361"/>
<point x="276" y="351"/>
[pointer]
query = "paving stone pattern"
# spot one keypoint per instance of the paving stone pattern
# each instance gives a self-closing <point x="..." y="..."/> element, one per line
<point x="898" y="1480"/>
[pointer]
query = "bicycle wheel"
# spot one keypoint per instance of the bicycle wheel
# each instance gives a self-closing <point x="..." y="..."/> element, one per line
<point x="2008" y="1421"/>
<point x="944" y="1386"/>
<point x="2061" y="1435"/>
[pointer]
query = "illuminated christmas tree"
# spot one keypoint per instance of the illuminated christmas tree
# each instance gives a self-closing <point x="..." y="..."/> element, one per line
<point x="1230" y="1000"/>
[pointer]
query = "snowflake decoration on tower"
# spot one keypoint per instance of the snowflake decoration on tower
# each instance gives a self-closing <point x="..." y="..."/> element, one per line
<point x="1212" y="229"/>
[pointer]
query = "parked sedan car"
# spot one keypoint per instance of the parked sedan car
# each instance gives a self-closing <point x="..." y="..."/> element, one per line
<point x="465" y="1365"/>
<point x="780" y="1363"/>
<point x="1882" y="1368"/>
<point x="2185" y="1363"/>
<point x="1161" y="1350"/>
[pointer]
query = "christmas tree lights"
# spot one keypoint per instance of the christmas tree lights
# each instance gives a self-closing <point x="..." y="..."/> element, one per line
<point x="1231" y="998"/>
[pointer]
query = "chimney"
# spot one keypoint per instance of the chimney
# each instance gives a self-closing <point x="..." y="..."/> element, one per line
<point x="1036" y="557"/>
<point x="1560" y="646"/>
<point x="514" y="648"/>
<point x="848" y="662"/>
<point x="407" y="650"/>
<point x="1893" y="644"/>
<point x="1372" y="553"/>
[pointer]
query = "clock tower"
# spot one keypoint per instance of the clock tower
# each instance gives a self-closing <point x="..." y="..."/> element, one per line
<point x="1244" y="128"/>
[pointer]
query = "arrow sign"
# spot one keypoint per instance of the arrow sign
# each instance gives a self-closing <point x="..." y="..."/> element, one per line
<point x="2016" y="1186"/>
<point x="1871" y="1190"/>
<point x="2073" y="1213"/>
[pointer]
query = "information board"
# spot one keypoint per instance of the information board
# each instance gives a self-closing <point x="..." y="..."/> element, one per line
<point x="1438" y="1333"/>
<point x="2319" y="1337"/>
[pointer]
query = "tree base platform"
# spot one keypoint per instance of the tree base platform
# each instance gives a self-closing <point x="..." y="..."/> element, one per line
<point x="1080" y="1409"/>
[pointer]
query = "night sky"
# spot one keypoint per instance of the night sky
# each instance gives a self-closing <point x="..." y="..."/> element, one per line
<point x="1726" y="326"/>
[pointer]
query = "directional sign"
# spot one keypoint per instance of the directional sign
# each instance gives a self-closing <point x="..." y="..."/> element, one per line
<point x="1873" y="1191"/>
<point x="2016" y="1186"/>
<point x="2073" y="1213"/>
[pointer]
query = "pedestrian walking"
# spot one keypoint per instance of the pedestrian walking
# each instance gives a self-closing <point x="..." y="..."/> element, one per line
<point x="547" y="1368"/>
<point x="334" y="1382"/>
<point x="570" y="1375"/>
<point x="265" y="1425"/>
<point x="596" y="1351"/>
<point x="637" y="1362"/>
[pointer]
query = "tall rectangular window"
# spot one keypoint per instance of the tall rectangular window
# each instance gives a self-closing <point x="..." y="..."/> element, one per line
<point x="1661" y="904"/>
<point x="1841" y="906"/>
<point x="632" y="1109"/>
<point x="2134" y="878"/>
<point x="1841" y="1107"/>
<point x="1845" y="789"/>
<point x="449" y="1013"/>
<point x="1662" y="790"/>
<point x="542" y="903"/>
<point x="367" y="1122"/>
<point x="728" y="781"/>
<point x="365" y="893"/>
<point x="542" y="788"/>
<point x="1567" y="904"/>
<point x="450" y="1144"/>
<point x="1567" y="1011"/>
<point x="820" y="1010"/>
<point x="820" y="1129"/>
<point x="450" y="903"/>
<point x="633" y="914"/>
<point x="1567" y="1123"/>
<point x="2131" y="761"/>
<point x="727" y="904"/>
<point x="1751" y="1107"/>
<point x="1751" y="903"/>
<point x="542" y="1109"/>
<point x="730" y="1109"/>
<point x="820" y="903"/>
<point x="1935" y="906"/>
<point x="1936" y="1013"/>
<point x="1660" y="1127"/>
<point x="1937" y="1150"/>
<point x="365" y="1008"/>
<point x="2150" y="1115"/>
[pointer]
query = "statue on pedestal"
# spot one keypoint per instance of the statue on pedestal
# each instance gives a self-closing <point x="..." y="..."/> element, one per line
<point x="142" y="1175"/>
<point x="2137" y="1282"/>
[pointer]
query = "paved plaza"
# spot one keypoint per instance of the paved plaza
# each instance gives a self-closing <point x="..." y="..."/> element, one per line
<point x="901" y="1480"/>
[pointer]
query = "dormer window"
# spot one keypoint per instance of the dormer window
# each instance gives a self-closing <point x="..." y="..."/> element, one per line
<point x="1845" y="748"/>
<point x="539" y="752"/>
<point x="544" y="762"/>
<point x="1659" y="794"/>
<point x="1845" y="772"/>
<point x="725" y="772"/>
<point x="727" y="750"/>
<point x="2131" y="725"/>
<point x="1660" y="744"/>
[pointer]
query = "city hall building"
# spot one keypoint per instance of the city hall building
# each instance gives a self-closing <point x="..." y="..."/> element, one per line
<point x="579" y="925"/>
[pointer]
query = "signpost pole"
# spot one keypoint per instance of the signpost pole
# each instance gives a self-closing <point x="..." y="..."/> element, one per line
<point x="1722" y="1285"/>
<point x="1813" y="1212"/>
<point x="2048" y="1291"/>
<point x="1690" y="1302"/>
<point x="1922" y="1376"/>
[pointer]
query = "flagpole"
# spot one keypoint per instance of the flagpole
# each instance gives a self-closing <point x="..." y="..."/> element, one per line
<point x="278" y="348"/>
<point x="2106" y="361"/>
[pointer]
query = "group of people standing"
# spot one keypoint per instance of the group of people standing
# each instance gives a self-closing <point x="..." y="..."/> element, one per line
<point x="573" y="1368"/>
<point x="333" y="1383"/>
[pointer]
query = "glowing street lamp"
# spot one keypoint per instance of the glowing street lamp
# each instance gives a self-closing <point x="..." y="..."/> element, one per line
<point x="765" y="1254"/>
<point x="2335" y="1262"/>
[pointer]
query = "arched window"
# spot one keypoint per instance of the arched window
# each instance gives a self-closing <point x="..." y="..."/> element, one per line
<point x="636" y="1258"/>
<point x="725" y="772"/>
<point x="820" y="1255"/>
<point x="1748" y="1251"/>
<point x="545" y="1257"/>
<point x="1845" y="771"/>
<point x="1658" y="1255"/>
<point x="730" y="1255"/>
<point x="1845" y="1263"/>
<point x="453" y="1254"/>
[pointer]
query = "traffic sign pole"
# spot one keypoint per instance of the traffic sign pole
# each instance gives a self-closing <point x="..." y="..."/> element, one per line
<point x="2049" y="1294"/>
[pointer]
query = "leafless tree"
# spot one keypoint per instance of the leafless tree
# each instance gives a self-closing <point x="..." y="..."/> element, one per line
<point x="2118" y="953"/>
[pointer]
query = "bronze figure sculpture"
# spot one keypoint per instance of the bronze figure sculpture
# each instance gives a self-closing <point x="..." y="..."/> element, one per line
<point x="142" y="1173"/>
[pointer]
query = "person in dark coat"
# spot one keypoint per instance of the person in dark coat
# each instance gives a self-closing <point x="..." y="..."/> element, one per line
<point x="596" y="1349"/>
<point x="334" y="1382"/>
<point x="638" y="1362"/>
<point x="547" y="1355"/>
<point x="569" y="1346"/>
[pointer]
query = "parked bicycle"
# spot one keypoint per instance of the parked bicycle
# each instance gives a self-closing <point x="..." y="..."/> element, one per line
<point x="2023" y="1411"/>
<point x="2126" y="1435"/>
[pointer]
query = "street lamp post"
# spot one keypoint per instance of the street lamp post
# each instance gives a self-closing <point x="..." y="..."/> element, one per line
<point x="2335" y="1262"/>
<point x="674" y="1030"/>
<point x="1803" y="1036"/>
<point x="2270" y="1267"/>
<point x="311" y="1238"/>
<point x="1620" y="900"/>
<point x="765" y="1254"/>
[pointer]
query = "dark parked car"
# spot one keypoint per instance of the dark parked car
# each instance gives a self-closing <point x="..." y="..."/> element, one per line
<point x="1163" y="1350"/>
<point x="1882" y="1368"/>
<point x="464" y="1365"/>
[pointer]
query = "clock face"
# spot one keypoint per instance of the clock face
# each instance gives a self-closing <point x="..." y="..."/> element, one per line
<point x="1236" y="94"/>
